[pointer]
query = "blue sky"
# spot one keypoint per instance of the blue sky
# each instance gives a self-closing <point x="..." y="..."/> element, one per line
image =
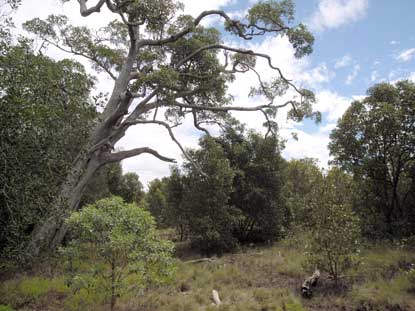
<point x="358" y="43"/>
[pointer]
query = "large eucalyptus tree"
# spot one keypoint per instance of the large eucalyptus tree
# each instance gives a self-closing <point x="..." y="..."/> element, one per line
<point x="164" y="61"/>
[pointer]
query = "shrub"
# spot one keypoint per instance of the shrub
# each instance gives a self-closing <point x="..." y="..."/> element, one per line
<point x="335" y="232"/>
<point x="121" y="240"/>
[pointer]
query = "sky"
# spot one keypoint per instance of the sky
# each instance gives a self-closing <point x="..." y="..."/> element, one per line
<point x="358" y="43"/>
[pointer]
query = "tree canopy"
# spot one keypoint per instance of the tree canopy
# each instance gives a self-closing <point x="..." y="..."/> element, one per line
<point x="375" y="141"/>
<point x="165" y="63"/>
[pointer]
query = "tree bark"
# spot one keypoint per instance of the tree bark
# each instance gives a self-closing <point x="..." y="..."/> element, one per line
<point x="49" y="235"/>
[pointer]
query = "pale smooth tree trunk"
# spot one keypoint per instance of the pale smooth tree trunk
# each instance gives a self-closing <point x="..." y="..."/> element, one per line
<point x="49" y="234"/>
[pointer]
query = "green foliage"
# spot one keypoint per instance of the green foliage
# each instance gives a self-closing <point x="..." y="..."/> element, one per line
<point x="131" y="189"/>
<point x="121" y="240"/>
<point x="277" y="16"/>
<point x="190" y="61"/>
<point x="30" y="290"/>
<point x="109" y="180"/>
<point x="257" y="184"/>
<point x="176" y="215"/>
<point x="211" y="219"/>
<point x="233" y="197"/>
<point x="45" y="117"/>
<point x="5" y="308"/>
<point x="55" y="30"/>
<point x="374" y="141"/>
<point x="335" y="230"/>
<point x="156" y="200"/>
<point x="301" y="177"/>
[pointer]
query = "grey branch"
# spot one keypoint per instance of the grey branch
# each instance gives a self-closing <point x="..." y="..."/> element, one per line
<point x="86" y="12"/>
<point x="196" y="123"/>
<point x="121" y="155"/>
<point x="231" y="108"/>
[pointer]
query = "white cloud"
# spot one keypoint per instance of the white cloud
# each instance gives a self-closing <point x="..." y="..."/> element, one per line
<point x="239" y="14"/>
<point x="345" y="61"/>
<point x="194" y="8"/>
<point x="393" y="42"/>
<point x="374" y="75"/>
<point x="353" y="74"/>
<point x="315" y="145"/>
<point x="327" y="128"/>
<point x="332" y="104"/>
<point x="395" y="77"/>
<point x="317" y="75"/>
<point x="406" y="55"/>
<point x="308" y="145"/>
<point x="335" y="13"/>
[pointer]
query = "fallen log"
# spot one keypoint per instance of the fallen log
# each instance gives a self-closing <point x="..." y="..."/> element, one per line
<point x="215" y="297"/>
<point x="200" y="260"/>
<point x="306" y="290"/>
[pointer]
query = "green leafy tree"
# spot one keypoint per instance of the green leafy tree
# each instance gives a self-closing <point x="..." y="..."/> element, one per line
<point x="109" y="180"/>
<point x="211" y="218"/>
<point x="301" y="176"/>
<point x="131" y="189"/>
<point x="156" y="200"/>
<point x="335" y="230"/>
<point x="248" y="206"/>
<point x="176" y="213"/>
<point x="45" y="118"/>
<point x="257" y="184"/>
<point x="374" y="140"/>
<point x="120" y="241"/>
<point x="161" y="60"/>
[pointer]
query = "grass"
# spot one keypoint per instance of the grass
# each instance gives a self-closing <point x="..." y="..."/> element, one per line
<point x="266" y="278"/>
<point x="32" y="291"/>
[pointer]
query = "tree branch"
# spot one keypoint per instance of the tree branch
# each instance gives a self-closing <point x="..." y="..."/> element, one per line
<point x="121" y="155"/>
<point x="197" y="124"/>
<point x="86" y="12"/>
<point x="195" y="23"/>
<point x="231" y="108"/>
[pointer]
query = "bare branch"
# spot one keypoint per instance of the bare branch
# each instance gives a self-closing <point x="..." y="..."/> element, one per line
<point x="231" y="108"/>
<point x="121" y="155"/>
<point x="86" y="12"/>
